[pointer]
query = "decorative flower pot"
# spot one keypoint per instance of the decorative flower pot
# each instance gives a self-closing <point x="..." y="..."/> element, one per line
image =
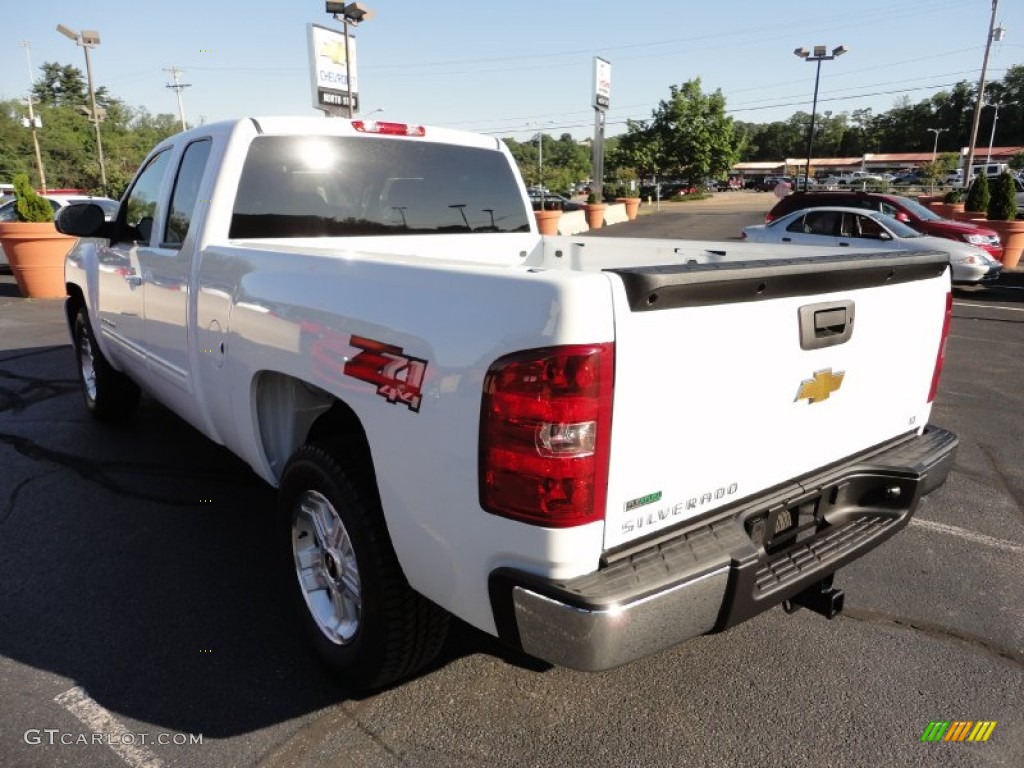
<point x="945" y="210"/>
<point x="36" y="254"/>
<point x="547" y="221"/>
<point x="595" y="214"/>
<point x="963" y="215"/>
<point x="632" y="206"/>
<point x="928" y="199"/>
<point x="1011" y="233"/>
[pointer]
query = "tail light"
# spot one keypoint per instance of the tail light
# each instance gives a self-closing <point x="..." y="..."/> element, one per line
<point x="940" y="358"/>
<point x="545" y="432"/>
<point x="768" y="218"/>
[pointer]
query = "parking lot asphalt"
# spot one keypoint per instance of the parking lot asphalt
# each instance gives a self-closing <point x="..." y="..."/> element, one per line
<point x="136" y="602"/>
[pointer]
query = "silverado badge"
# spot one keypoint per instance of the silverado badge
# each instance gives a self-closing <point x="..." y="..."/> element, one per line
<point x="821" y="386"/>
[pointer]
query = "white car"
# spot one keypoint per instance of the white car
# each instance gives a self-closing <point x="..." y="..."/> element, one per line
<point x="7" y="212"/>
<point x="859" y="228"/>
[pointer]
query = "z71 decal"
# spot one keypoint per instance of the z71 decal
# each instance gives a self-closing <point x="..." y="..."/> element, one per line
<point x="398" y="377"/>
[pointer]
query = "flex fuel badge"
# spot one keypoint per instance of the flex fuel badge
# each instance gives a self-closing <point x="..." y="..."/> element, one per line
<point x="650" y="498"/>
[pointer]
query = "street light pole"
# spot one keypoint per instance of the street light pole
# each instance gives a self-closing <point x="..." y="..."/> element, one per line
<point x="86" y="39"/>
<point x="354" y="14"/>
<point x="935" y="147"/>
<point x="820" y="55"/>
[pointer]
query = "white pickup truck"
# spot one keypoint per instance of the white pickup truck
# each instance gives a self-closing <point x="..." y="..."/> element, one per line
<point x="593" y="449"/>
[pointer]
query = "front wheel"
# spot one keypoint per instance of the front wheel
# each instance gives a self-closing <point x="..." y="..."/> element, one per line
<point x="108" y="393"/>
<point x="362" y="616"/>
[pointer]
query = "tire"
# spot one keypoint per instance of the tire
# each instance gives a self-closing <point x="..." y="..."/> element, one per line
<point x="109" y="394"/>
<point x="343" y="576"/>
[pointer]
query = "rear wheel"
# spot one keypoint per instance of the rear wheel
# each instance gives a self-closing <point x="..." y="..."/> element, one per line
<point x="108" y="393"/>
<point x="362" y="616"/>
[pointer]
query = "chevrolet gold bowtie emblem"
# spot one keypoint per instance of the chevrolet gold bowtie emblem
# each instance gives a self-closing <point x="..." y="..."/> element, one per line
<point x="821" y="386"/>
<point x="334" y="50"/>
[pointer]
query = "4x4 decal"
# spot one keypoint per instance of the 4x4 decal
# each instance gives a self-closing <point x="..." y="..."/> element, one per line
<point x="398" y="377"/>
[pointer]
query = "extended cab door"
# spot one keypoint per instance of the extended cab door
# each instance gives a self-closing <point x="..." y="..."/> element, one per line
<point x="166" y="268"/>
<point x="120" y="279"/>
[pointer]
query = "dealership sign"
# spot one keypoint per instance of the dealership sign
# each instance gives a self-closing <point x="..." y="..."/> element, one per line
<point x="602" y="83"/>
<point x="331" y="65"/>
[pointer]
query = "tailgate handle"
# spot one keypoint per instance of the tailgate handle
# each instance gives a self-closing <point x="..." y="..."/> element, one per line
<point x="826" y="324"/>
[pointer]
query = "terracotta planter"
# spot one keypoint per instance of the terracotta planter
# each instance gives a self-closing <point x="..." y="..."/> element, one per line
<point x="945" y="210"/>
<point x="928" y="199"/>
<point x="963" y="215"/>
<point x="1011" y="233"/>
<point x="36" y="254"/>
<point x="595" y="214"/>
<point x="632" y="206"/>
<point x="547" y="221"/>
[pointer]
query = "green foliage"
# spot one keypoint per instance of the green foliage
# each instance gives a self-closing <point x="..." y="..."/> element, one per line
<point x="1002" y="205"/>
<point x="978" y="195"/>
<point x="1017" y="162"/>
<point x="592" y="199"/>
<point x="955" y="195"/>
<point x="940" y="166"/>
<point x="688" y="135"/>
<point x="566" y="161"/>
<point x="28" y="205"/>
<point x="68" y="140"/>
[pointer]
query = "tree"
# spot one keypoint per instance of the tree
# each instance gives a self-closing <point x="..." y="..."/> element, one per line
<point x="60" y="85"/>
<point x="1002" y="205"/>
<point x="689" y="135"/>
<point x="940" y="167"/>
<point x="978" y="195"/>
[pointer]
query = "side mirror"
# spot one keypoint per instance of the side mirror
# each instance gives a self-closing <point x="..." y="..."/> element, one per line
<point x="82" y="220"/>
<point x="901" y="216"/>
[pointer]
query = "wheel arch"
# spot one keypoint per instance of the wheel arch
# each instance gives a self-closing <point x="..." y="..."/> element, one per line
<point x="291" y="412"/>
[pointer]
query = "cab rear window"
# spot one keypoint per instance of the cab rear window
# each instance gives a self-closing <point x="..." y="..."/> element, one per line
<point x="330" y="186"/>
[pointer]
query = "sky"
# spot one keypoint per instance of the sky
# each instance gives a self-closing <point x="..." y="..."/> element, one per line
<point x="512" y="69"/>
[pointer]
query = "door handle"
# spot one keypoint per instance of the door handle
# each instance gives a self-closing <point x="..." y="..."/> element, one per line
<point x="844" y="245"/>
<point x="787" y="239"/>
<point x="133" y="280"/>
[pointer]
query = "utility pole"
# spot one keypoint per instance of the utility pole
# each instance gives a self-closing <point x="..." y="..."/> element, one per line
<point x="32" y="118"/>
<point x="178" y="87"/>
<point x="968" y="166"/>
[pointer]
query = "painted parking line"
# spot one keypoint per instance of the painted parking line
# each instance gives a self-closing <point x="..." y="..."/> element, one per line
<point x="987" y="306"/>
<point x="98" y="720"/>
<point x="963" y="533"/>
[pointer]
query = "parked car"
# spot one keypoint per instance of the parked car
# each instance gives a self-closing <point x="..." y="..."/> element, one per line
<point x="858" y="228"/>
<point x="551" y="201"/>
<point x="923" y="219"/>
<point x="7" y="212"/>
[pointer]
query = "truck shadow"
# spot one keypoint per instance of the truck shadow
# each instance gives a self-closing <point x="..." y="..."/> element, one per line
<point x="136" y="561"/>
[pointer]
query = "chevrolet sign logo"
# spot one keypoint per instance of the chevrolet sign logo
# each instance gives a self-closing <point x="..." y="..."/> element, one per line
<point x="821" y="386"/>
<point x="333" y="50"/>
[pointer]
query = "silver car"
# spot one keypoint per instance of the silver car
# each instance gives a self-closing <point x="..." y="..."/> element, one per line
<point x="860" y="228"/>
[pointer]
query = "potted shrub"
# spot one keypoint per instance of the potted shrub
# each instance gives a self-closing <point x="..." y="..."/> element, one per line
<point x="548" y="216"/>
<point x="627" y="198"/>
<point x="595" y="211"/>
<point x="948" y="204"/>
<point x="33" y="246"/>
<point x="1002" y="214"/>
<point x="977" y="198"/>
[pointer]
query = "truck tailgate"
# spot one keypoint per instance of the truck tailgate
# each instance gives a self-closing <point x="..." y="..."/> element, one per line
<point x="733" y="378"/>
